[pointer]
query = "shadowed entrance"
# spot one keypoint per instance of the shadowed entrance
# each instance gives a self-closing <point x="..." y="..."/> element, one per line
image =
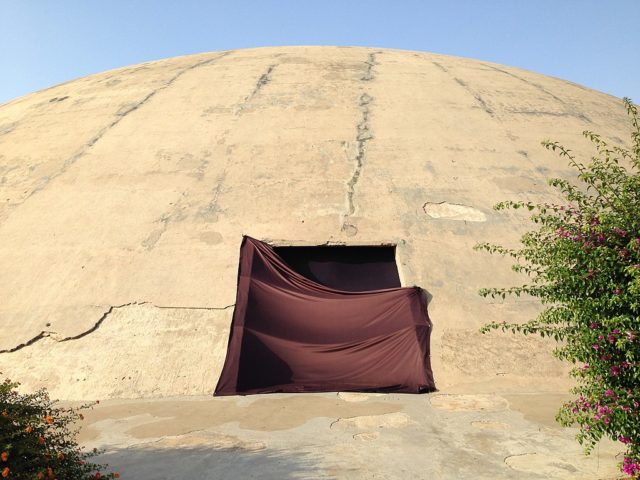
<point x="293" y="334"/>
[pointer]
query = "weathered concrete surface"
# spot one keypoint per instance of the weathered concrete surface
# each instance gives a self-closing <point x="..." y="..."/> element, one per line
<point x="337" y="436"/>
<point x="124" y="196"/>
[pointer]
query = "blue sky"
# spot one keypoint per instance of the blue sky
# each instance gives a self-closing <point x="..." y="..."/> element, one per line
<point x="592" y="42"/>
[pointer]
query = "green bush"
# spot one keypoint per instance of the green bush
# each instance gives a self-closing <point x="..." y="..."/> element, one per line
<point x="36" y="440"/>
<point x="583" y="263"/>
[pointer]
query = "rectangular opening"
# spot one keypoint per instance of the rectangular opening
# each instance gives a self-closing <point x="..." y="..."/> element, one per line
<point x="348" y="268"/>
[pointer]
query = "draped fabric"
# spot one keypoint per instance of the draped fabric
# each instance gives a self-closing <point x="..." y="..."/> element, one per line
<point x="291" y="334"/>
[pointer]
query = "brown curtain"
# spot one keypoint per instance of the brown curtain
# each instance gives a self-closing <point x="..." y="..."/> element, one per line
<point x="291" y="334"/>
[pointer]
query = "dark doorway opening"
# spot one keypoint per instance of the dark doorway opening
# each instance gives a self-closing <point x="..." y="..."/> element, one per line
<point x="352" y="269"/>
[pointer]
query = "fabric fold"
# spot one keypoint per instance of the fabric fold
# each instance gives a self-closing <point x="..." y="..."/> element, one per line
<point x="291" y="334"/>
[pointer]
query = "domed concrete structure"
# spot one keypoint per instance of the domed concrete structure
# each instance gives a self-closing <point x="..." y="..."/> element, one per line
<point x="125" y="196"/>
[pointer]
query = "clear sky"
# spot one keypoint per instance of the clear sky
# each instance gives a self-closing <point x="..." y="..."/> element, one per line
<point x="592" y="42"/>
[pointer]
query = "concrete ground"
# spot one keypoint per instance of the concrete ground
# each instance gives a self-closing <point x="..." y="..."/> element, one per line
<point x="342" y="435"/>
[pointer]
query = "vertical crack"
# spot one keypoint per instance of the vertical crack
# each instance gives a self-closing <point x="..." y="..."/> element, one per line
<point x="209" y="212"/>
<point x="370" y="63"/>
<point x="175" y="214"/>
<point x="363" y="136"/>
<point x="264" y="79"/>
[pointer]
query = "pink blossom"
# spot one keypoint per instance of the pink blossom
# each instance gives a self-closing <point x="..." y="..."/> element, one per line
<point x="624" y="439"/>
<point x="609" y="392"/>
<point x="615" y="370"/>
<point x="595" y="346"/>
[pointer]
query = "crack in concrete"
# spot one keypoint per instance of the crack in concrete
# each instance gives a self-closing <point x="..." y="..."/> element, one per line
<point x="440" y="67"/>
<point x="363" y="136"/>
<point x="573" y="113"/>
<point x="209" y="212"/>
<point x="370" y="63"/>
<point x="544" y="112"/>
<point x="175" y="214"/>
<point x="109" y="311"/>
<point x="475" y="95"/>
<point x="469" y="90"/>
<point x="528" y="82"/>
<point x="120" y="115"/>
<point x="264" y="79"/>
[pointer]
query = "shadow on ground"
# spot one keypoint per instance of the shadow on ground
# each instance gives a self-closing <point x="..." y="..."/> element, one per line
<point x="201" y="462"/>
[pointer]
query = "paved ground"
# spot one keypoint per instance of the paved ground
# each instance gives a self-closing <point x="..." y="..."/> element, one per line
<point x="346" y="435"/>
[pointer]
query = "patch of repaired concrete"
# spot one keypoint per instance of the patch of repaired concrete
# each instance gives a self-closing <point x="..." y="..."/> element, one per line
<point x="488" y="425"/>
<point x="268" y="413"/>
<point x="357" y="396"/>
<point x="364" y="422"/>
<point x="543" y="465"/>
<point x="468" y="403"/>
<point x="541" y="409"/>
<point x="453" y="211"/>
<point x="366" y="436"/>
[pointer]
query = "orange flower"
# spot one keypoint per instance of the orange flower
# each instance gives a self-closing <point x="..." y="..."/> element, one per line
<point x="49" y="419"/>
<point x="4" y="456"/>
<point x="29" y="429"/>
<point x="41" y="440"/>
<point x="98" y="476"/>
<point x="50" y="472"/>
<point x="5" y="472"/>
<point x="60" y="456"/>
<point x="40" y="476"/>
<point x="116" y="475"/>
<point x="5" y="413"/>
<point x="81" y="462"/>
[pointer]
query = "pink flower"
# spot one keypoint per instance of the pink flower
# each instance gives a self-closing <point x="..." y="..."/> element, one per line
<point x="617" y="291"/>
<point x="595" y="346"/>
<point x="609" y="392"/>
<point x="593" y="325"/>
<point x="624" y="439"/>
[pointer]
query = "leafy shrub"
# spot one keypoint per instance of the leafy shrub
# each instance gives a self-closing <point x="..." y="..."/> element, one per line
<point x="36" y="441"/>
<point x="583" y="263"/>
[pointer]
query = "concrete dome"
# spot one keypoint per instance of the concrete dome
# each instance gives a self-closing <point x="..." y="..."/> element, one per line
<point x="125" y="195"/>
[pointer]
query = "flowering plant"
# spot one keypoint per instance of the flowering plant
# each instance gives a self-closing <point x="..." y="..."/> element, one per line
<point x="36" y="442"/>
<point x="583" y="263"/>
